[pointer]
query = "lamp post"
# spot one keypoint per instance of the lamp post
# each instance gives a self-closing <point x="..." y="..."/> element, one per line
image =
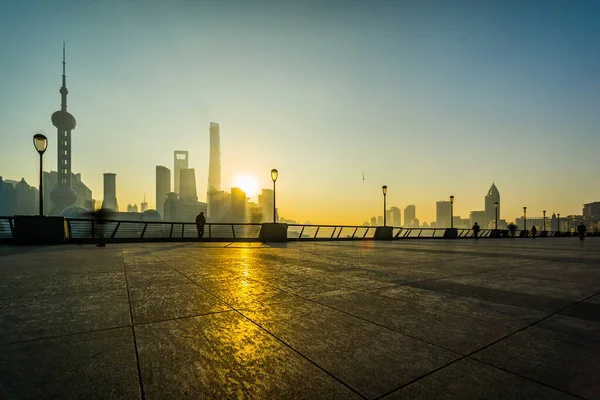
<point x="40" y="142"/>
<point x="496" y="207"/>
<point x="384" y="190"/>
<point x="558" y="222"/>
<point x="274" y="175"/>
<point x="524" y="218"/>
<point x="544" y="220"/>
<point x="452" y="212"/>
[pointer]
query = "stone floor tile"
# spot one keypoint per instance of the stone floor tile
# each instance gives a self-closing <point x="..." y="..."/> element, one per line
<point x="93" y="365"/>
<point x="468" y="379"/>
<point x="584" y="310"/>
<point x="80" y="283"/>
<point x="226" y="356"/>
<point x="570" y="329"/>
<point x="569" y="367"/>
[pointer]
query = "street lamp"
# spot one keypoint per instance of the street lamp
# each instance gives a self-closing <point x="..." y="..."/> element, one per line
<point x="524" y="218"/>
<point x="452" y="212"/>
<point x="384" y="190"/>
<point x="544" y="220"/>
<point x="40" y="142"/>
<point x="274" y="175"/>
<point x="496" y="207"/>
<point x="558" y="222"/>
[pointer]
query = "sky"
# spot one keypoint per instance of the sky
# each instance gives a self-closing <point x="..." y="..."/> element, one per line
<point x="432" y="98"/>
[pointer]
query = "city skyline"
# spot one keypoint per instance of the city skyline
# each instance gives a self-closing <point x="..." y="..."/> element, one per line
<point x="525" y="106"/>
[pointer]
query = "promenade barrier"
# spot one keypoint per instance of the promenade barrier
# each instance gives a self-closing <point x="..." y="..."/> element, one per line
<point x="82" y="230"/>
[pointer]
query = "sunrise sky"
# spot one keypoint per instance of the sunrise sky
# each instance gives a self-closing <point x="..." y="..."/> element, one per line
<point x="430" y="98"/>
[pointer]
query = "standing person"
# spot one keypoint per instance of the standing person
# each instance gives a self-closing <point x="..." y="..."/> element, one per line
<point x="533" y="231"/>
<point x="101" y="215"/>
<point x="512" y="228"/>
<point x="200" y="221"/>
<point x="476" y="229"/>
<point x="581" y="231"/>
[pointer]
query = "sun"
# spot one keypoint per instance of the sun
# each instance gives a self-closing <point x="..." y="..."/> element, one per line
<point x="247" y="184"/>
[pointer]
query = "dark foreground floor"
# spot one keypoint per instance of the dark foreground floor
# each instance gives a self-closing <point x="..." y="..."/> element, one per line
<point x="465" y="319"/>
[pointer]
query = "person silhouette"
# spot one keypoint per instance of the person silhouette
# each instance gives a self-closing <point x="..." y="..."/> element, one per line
<point x="581" y="231"/>
<point x="200" y="222"/>
<point x="100" y="216"/>
<point x="512" y="228"/>
<point x="533" y="231"/>
<point x="476" y="228"/>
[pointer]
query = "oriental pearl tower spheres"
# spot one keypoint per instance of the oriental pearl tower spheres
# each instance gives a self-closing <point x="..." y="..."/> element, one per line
<point x="63" y="195"/>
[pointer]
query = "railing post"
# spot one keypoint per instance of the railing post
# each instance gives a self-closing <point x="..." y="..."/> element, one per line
<point x="233" y="230"/>
<point x="115" y="231"/>
<point x="171" y="231"/>
<point x="93" y="230"/>
<point x="301" y="232"/>
<point x="354" y="233"/>
<point x="12" y="227"/>
<point x="144" y="230"/>
<point x="209" y="231"/>
<point x="339" y="233"/>
<point x="333" y="233"/>
<point x="68" y="228"/>
<point x="317" y="232"/>
<point x="182" y="229"/>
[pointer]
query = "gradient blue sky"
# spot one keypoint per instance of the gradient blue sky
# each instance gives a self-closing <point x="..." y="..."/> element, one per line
<point x="429" y="97"/>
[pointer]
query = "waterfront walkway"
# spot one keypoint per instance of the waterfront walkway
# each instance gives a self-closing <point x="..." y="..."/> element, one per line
<point x="462" y="319"/>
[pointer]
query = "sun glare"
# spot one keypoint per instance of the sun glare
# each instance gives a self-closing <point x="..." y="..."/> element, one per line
<point x="247" y="184"/>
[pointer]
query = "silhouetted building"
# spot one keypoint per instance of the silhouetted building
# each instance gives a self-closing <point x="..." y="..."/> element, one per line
<point x="63" y="195"/>
<point x="373" y="221"/>
<point x="442" y="214"/>
<point x="187" y="188"/>
<point x="410" y="214"/>
<point x="163" y="186"/>
<point x="214" y="200"/>
<point x="18" y="198"/>
<point x="395" y="218"/>
<point x="110" y="192"/>
<point x="238" y="205"/>
<point x="132" y="208"/>
<point x="492" y="196"/>
<point x="180" y="162"/>
<point x="479" y="217"/>
<point x="265" y="203"/>
<point x="144" y="205"/>
<point x="8" y="198"/>
<point x="177" y="210"/>
<point x="380" y="220"/>
<point x="84" y="194"/>
<point x="591" y="209"/>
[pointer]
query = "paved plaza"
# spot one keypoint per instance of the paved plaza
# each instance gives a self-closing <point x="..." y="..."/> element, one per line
<point x="413" y="319"/>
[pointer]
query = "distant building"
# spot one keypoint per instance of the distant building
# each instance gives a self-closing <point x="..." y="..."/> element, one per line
<point x="177" y="210"/>
<point x="265" y="203"/>
<point x="380" y="220"/>
<point x="492" y="196"/>
<point x="237" y="212"/>
<point x="442" y="214"/>
<point x="180" y="161"/>
<point x="83" y="193"/>
<point x="18" y="198"/>
<point x="163" y="186"/>
<point x="187" y="188"/>
<point x="479" y="217"/>
<point x="591" y="209"/>
<point x="110" y="192"/>
<point x="144" y="205"/>
<point x="132" y="208"/>
<point x="395" y="217"/>
<point x="373" y="221"/>
<point x="410" y="215"/>
<point x="215" y="208"/>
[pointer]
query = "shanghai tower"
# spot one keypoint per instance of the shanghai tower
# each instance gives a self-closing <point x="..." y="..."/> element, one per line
<point x="214" y="172"/>
<point x="63" y="195"/>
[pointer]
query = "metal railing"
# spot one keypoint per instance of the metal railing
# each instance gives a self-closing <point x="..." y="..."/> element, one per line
<point x="81" y="230"/>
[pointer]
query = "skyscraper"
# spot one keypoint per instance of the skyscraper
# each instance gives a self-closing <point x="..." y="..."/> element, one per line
<point x="187" y="186"/>
<point x="442" y="214"/>
<point x="238" y="205"/>
<point x="213" y="198"/>
<point x="492" y="196"/>
<point x="110" y="192"/>
<point x="180" y="161"/>
<point x="63" y="195"/>
<point x="265" y="203"/>
<point x="163" y="186"/>
<point x="395" y="218"/>
<point x="410" y="214"/>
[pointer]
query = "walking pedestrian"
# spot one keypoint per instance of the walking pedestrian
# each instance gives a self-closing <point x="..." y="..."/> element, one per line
<point x="100" y="216"/>
<point x="476" y="228"/>
<point x="200" y="222"/>
<point x="581" y="231"/>
<point x="533" y="231"/>
<point x="512" y="228"/>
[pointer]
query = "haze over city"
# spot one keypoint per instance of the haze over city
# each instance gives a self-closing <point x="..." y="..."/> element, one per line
<point x="430" y="98"/>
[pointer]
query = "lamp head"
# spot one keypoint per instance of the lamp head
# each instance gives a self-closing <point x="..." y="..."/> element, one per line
<point x="496" y="204"/>
<point x="451" y="199"/>
<point x="384" y="189"/>
<point x="524" y="209"/>
<point x="40" y="142"/>
<point x="274" y="174"/>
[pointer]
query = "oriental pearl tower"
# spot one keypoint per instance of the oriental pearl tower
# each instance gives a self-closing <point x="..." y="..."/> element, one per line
<point x="63" y="195"/>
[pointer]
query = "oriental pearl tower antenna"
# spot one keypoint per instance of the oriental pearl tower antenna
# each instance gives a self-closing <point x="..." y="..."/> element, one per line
<point x="63" y="195"/>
